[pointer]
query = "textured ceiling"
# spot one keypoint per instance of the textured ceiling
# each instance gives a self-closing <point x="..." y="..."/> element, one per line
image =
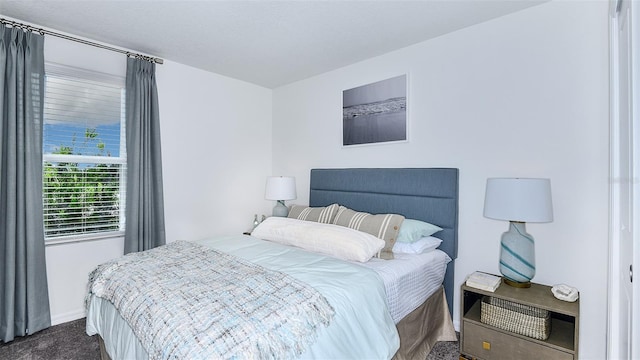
<point x="269" y="43"/>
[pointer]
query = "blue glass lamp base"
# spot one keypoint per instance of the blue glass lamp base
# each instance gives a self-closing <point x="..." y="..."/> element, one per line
<point x="280" y="209"/>
<point x="517" y="256"/>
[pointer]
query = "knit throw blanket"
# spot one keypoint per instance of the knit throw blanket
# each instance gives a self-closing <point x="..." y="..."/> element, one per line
<point x="187" y="301"/>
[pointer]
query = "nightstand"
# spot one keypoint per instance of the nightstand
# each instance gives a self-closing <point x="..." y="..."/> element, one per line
<point x="481" y="341"/>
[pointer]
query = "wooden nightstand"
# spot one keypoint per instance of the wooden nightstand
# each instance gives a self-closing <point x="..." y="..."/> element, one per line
<point x="482" y="341"/>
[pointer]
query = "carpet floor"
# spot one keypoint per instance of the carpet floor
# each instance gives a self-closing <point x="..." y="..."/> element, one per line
<point x="69" y="341"/>
<point x="65" y="341"/>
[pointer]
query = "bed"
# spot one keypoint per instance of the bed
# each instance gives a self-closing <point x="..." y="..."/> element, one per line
<point x="429" y="195"/>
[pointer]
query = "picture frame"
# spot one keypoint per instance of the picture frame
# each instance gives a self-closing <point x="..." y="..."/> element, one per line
<point x="375" y="113"/>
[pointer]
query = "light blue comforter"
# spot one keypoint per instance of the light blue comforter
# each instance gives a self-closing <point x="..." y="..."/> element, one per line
<point x="362" y="327"/>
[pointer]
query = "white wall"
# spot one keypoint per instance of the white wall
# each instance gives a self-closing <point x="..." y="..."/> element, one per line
<point x="216" y="151"/>
<point x="523" y="95"/>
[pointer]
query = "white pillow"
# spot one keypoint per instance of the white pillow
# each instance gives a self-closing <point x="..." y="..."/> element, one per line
<point x="334" y="240"/>
<point x="425" y="244"/>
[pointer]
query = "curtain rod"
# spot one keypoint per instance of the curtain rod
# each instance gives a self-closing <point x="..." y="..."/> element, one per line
<point x="82" y="41"/>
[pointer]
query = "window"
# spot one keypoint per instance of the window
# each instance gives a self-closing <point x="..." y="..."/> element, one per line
<point x="84" y="154"/>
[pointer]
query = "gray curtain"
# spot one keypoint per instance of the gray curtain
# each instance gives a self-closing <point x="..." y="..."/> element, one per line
<point x="24" y="298"/>
<point x="145" y="205"/>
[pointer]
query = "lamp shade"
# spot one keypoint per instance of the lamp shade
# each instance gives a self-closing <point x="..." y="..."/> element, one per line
<point x="280" y="188"/>
<point x="518" y="199"/>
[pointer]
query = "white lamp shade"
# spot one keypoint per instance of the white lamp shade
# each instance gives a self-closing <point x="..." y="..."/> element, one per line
<point x="518" y="199"/>
<point x="280" y="188"/>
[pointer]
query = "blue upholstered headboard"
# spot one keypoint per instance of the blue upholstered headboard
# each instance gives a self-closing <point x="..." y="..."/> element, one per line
<point x="429" y="194"/>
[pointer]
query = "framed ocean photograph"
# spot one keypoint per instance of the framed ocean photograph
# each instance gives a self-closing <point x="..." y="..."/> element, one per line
<point x="375" y="113"/>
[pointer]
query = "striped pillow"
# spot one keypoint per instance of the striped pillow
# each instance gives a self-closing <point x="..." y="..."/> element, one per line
<point x="323" y="215"/>
<point x="383" y="226"/>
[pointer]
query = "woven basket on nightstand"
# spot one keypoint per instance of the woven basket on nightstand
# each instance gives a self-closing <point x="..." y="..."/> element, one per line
<point x="520" y="319"/>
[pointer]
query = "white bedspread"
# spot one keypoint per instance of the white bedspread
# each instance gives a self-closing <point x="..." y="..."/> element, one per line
<point x="362" y="326"/>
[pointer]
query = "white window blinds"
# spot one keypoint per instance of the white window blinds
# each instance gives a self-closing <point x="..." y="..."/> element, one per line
<point x="84" y="154"/>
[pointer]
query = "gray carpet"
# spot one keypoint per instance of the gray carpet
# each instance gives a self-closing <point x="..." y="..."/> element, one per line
<point x="65" y="341"/>
<point x="69" y="341"/>
<point x="445" y="350"/>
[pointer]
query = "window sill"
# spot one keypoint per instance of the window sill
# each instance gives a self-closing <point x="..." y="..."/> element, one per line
<point x="82" y="238"/>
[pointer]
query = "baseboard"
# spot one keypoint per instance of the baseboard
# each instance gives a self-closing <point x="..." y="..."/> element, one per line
<point x="66" y="317"/>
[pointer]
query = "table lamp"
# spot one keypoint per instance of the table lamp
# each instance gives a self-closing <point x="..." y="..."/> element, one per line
<point x="280" y="188"/>
<point x="518" y="200"/>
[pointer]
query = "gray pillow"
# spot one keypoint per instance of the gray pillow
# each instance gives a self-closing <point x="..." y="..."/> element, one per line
<point x="323" y="215"/>
<point x="383" y="226"/>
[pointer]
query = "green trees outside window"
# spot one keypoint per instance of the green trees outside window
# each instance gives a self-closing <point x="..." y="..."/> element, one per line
<point x="81" y="197"/>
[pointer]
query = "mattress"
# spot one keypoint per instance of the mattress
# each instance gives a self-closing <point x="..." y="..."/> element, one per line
<point x="409" y="280"/>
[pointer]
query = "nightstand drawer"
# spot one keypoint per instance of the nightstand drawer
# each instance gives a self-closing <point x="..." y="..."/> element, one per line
<point x="494" y="345"/>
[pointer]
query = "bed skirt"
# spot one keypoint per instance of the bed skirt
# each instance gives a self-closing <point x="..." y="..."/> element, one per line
<point x="103" y="350"/>
<point x="419" y="330"/>
<point x="424" y="326"/>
